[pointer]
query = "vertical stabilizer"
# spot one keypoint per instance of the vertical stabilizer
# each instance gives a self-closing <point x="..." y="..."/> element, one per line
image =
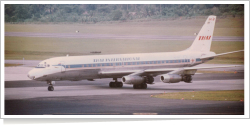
<point x="203" y="40"/>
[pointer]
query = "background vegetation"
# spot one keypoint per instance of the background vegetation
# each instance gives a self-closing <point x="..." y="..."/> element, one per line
<point x="118" y="20"/>
<point x="92" y="13"/>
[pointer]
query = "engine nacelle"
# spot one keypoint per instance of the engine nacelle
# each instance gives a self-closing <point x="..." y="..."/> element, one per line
<point x="171" y="78"/>
<point x="133" y="79"/>
<point x="149" y="79"/>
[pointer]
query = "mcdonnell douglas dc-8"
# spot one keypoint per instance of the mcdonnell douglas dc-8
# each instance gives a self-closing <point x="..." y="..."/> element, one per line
<point x="134" y="69"/>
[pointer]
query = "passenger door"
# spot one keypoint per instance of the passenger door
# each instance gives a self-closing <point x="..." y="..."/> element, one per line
<point x="63" y="67"/>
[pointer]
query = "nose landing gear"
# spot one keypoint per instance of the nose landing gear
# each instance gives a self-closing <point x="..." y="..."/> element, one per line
<point x="50" y="87"/>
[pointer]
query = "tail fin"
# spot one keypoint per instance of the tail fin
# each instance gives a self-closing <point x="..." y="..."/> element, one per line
<point x="203" y="40"/>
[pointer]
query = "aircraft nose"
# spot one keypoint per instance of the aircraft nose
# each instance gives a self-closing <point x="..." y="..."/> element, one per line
<point x="31" y="77"/>
<point x="31" y="74"/>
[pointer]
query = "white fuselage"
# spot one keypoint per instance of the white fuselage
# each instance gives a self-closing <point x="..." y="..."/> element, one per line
<point x="89" y="67"/>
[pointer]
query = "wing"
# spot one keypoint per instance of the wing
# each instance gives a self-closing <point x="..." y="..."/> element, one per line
<point x="185" y="70"/>
<point x="155" y="72"/>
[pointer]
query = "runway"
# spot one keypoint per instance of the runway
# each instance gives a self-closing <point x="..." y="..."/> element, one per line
<point x="111" y="36"/>
<point x="26" y="97"/>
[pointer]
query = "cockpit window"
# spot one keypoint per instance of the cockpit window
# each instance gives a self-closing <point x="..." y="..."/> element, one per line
<point x="40" y="66"/>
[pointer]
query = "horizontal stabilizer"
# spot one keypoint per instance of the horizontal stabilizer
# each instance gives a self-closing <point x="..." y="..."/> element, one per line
<point x="211" y="67"/>
<point x="205" y="57"/>
<point x="229" y="52"/>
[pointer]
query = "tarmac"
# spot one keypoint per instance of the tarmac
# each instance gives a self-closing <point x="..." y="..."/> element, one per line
<point x="27" y="97"/>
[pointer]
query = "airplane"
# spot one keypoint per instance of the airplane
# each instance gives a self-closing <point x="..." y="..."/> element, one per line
<point x="134" y="69"/>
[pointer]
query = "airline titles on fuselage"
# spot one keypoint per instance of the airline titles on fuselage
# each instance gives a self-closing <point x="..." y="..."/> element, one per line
<point x="117" y="59"/>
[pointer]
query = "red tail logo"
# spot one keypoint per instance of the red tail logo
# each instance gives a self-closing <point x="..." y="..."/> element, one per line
<point x="204" y="37"/>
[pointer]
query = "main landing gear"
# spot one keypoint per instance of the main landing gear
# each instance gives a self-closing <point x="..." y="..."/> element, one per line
<point x="50" y="87"/>
<point x="140" y="86"/>
<point x="115" y="84"/>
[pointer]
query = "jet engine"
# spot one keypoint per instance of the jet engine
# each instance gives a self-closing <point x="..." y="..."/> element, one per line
<point x="149" y="79"/>
<point x="171" y="78"/>
<point x="130" y="79"/>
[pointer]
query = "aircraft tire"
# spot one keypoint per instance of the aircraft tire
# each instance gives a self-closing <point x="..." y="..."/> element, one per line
<point x="135" y="86"/>
<point x="111" y="84"/>
<point x="144" y="86"/>
<point x="140" y="86"/>
<point x="115" y="85"/>
<point x="120" y="84"/>
<point x="50" y="88"/>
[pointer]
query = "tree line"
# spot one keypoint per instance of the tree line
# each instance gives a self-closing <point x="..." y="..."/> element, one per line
<point x="114" y="12"/>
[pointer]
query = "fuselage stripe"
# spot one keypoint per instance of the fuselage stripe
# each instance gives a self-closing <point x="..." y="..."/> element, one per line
<point x="129" y="64"/>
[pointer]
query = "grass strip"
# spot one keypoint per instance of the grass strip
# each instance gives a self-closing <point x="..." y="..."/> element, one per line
<point x="11" y="65"/>
<point x="227" y="95"/>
